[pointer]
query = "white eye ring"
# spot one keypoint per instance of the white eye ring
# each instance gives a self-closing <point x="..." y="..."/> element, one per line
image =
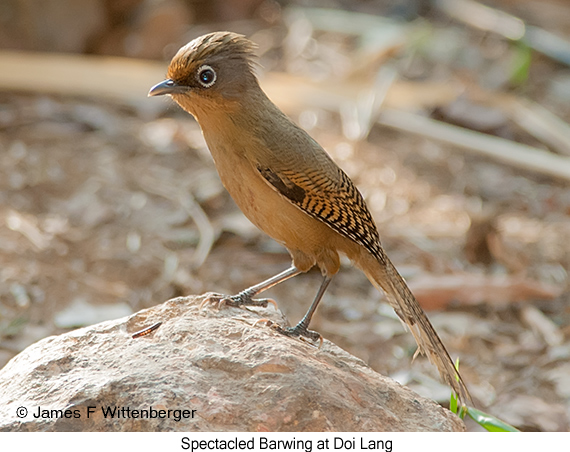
<point x="206" y="76"/>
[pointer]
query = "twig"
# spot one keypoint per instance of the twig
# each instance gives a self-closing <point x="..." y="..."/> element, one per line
<point x="205" y="228"/>
<point x="515" y="154"/>
<point x="490" y="19"/>
<point x="183" y="197"/>
<point x="530" y="116"/>
<point x="542" y="124"/>
<point x="125" y="79"/>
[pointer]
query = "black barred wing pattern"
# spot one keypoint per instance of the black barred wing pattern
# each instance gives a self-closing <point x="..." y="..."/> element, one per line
<point x="339" y="204"/>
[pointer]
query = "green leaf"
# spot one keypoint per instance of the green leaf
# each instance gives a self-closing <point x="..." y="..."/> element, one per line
<point x="488" y="422"/>
<point x="454" y="399"/>
<point x="520" y="64"/>
<point x="453" y="402"/>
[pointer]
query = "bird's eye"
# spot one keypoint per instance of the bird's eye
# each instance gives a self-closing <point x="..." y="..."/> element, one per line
<point x="206" y="76"/>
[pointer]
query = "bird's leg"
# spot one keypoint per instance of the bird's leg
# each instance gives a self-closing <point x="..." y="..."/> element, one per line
<point x="245" y="297"/>
<point x="301" y="329"/>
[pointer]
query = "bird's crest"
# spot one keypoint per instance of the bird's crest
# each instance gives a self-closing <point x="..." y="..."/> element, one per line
<point x="210" y="48"/>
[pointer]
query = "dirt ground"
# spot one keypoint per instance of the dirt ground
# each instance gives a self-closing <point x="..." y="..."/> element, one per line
<point x="106" y="209"/>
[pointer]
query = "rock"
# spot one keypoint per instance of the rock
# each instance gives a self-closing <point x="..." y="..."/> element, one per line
<point x="226" y="373"/>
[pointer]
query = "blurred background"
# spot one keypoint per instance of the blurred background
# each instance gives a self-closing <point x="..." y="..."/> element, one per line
<point x="451" y="117"/>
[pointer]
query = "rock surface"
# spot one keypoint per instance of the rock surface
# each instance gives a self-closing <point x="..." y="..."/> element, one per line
<point x="227" y="375"/>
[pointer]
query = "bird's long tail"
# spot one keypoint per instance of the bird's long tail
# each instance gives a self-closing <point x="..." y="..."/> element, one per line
<point x="384" y="276"/>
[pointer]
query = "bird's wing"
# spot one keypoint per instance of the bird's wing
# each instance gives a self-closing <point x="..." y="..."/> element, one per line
<point x="333" y="200"/>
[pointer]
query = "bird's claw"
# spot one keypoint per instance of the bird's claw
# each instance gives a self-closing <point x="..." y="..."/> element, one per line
<point x="301" y="332"/>
<point x="239" y="300"/>
<point x="267" y="322"/>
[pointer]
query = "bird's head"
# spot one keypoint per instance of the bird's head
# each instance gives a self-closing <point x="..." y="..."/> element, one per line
<point x="211" y="73"/>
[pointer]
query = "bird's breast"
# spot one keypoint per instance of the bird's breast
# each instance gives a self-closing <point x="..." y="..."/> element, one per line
<point x="310" y="241"/>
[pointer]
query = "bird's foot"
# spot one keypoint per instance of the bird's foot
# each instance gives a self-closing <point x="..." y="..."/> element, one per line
<point x="242" y="299"/>
<point x="298" y="330"/>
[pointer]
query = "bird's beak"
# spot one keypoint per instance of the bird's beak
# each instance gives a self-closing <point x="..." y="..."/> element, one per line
<point x="167" y="86"/>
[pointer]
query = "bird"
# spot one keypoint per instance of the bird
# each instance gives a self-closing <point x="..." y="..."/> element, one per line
<point x="288" y="186"/>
